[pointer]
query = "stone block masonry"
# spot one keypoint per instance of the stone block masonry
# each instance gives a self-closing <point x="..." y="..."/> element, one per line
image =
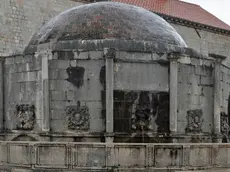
<point x="19" y="19"/>
<point x="22" y="86"/>
<point x="73" y="86"/>
<point x="195" y="85"/>
<point x="204" y="41"/>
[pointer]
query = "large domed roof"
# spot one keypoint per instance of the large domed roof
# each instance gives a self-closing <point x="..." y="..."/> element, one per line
<point x="107" y="20"/>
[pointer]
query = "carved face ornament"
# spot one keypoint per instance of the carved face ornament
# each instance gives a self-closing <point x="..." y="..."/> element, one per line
<point x="77" y="117"/>
<point x="24" y="116"/>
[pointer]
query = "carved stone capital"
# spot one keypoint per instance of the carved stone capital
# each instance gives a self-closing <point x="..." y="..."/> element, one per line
<point x="174" y="56"/>
<point x="109" y="53"/>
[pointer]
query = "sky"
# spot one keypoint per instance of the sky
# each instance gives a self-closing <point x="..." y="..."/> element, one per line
<point x="220" y="8"/>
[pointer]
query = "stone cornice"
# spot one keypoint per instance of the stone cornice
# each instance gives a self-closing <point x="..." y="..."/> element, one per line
<point x="192" y="24"/>
<point x="120" y="45"/>
<point x="217" y="57"/>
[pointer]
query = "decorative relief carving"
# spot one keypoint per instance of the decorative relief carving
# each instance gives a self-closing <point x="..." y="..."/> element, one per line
<point x="224" y="124"/>
<point x="78" y="117"/>
<point x="142" y="113"/>
<point x="151" y="112"/>
<point x="141" y="120"/>
<point x="25" y="116"/>
<point x="195" y="121"/>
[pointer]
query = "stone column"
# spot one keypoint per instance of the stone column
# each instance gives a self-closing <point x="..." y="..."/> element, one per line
<point x="45" y="90"/>
<point x="173" y="65"/>
<point x="1" y="94"/>
<point x="217" y="98"/>
<point x="217" y="95"/>
<point x="109" y="63"/>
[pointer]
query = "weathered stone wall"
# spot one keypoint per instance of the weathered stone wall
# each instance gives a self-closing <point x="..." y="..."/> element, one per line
<point x="20" y="19"/>
<point x="141" y="76"/>
<point x="195" y="91"/>
<point x="56" y="156"/>
<point x="77" y="86"/>
<point x="22" y="87"/>
<point x="204" y="41"/>
<point x="139" y="73"/>
<point x="75" y="83"/>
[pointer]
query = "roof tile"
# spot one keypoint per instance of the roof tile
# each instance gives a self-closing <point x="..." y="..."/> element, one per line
<point x="179" y="9"/>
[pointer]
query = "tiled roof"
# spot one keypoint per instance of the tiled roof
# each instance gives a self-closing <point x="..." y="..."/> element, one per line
<point x="179" y="9"/>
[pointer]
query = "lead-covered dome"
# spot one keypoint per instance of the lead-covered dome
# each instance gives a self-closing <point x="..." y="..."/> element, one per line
<point x="108" y="20"/>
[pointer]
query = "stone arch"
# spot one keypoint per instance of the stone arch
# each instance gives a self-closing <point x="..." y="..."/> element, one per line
<point x="24" y="137"/>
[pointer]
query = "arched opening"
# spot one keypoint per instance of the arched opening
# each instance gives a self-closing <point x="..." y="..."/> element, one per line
<point x="24" y="137"/>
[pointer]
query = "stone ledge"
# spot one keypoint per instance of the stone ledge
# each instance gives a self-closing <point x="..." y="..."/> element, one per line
<point x="118" y="45"/>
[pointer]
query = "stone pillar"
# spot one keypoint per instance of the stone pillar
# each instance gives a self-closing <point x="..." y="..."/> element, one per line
<point x="217" y="98"/>
<point x="1" y="94"/>
<point x="173" y="65"/>
<point x="45" y="91"/>
<point x="109" y="63"/>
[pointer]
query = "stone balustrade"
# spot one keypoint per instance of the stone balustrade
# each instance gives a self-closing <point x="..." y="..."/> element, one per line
<point x="57" y="156"/>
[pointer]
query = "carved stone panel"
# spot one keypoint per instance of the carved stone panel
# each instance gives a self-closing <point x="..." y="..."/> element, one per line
<point x="78" y="117"/>
<point x="224" y="124"/>
<point x="25" y="116"/>
<point x="195" y="121"/>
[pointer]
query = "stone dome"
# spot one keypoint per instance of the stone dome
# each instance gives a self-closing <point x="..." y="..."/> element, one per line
<point x="108" y="20"/>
